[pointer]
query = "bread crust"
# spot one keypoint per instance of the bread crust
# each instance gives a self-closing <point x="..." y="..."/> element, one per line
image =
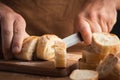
<point x="115" y="74"/>
<point x="28" y="48"/>
<point x="52" y="47"/>
<point x="107" y="65"/>
<point x="45" y="49"/>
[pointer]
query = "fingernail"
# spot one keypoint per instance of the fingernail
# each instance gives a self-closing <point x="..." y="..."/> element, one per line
<point x="16" y="49"/>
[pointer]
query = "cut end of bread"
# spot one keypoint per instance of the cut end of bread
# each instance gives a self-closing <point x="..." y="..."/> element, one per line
<point x="84" y="75"/>
<point x="28" y="48"/>
<point x="106" y="39"/>
<point x="106" y="43"/>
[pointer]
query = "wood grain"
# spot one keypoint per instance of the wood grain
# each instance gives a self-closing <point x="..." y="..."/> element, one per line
<point x="44" y="68"/>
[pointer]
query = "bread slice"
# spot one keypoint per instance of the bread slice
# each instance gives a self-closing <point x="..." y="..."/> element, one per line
<point x="107" y="65"/>
<point x="84" y="75"/>
<point x="28" y="48"/>
<point x="60" y="54"/>
<point x="105" y="43"/>
<point x="91" y="57"/>
<point x="83" y="65"/>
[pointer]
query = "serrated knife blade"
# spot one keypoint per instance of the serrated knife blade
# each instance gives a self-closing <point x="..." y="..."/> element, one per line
<point x="72" y="39"/>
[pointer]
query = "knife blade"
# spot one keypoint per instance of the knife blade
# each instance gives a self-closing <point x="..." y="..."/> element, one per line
<point x="72" y="39"/>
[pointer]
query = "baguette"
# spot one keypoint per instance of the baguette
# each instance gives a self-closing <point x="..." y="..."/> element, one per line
<point x="84" y="75"/>
<point x="45" y="49"/>
<point x="105" y="43"/>
<point x="28" y="48"/>
<point x="107" y="65"/>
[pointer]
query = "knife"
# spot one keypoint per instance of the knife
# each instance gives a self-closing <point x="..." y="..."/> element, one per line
<point x="72" y="39"/>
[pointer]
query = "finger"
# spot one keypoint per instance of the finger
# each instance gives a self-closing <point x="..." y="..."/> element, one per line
<point x="103" y="23"/>
<point x="85" y="30"/>
<point x="112" y="20"/>
<point x="19" y="34"/>
<point x="7" y="35"/>
<point x="104" y="26"/>
<point x="93" y="22"/>
<point x="95" y="27"/>
<point x="111" y="24"/>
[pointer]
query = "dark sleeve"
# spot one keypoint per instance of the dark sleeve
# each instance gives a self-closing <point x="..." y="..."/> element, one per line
<point x="116" y="28"/>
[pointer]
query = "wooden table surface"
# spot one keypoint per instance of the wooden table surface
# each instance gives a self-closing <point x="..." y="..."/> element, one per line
<point x="21" y="76"/>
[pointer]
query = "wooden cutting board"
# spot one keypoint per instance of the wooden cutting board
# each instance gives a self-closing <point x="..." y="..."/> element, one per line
<point x="45" y="68"/>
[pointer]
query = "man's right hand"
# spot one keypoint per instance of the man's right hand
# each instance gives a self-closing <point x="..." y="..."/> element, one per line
<point x="12" y="31"/>
<point x="96" y="16"/>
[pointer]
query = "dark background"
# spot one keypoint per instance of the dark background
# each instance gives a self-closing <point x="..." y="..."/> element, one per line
<point x="116" y="29"/>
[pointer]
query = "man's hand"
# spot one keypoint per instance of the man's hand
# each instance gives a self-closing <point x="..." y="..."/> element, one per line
<point x="96" y="16"/>
<point x="12" y="31"/>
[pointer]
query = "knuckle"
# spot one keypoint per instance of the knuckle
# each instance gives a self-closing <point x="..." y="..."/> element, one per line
<point x="102" y="16"/>
<point x="112" y="22"/>
<point x="16" y="30"/>
<point x="20" y="21"/>
<point x="16" y="43"/>
<point x="80" y="16"/>
<point x="92" y="15"/>
<point x="7" y="32"/>
<point x="20" y="18"/>
<point x="9" y="15"/>
<point x="81" y="19"/>
<point x="114" y="19"/>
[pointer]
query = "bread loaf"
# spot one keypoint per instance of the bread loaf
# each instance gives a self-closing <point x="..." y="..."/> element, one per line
<point x="28" y="48"/>
<point x="84" y="75"/>
<point x="46" y="47"/>
<point x="105" y="43"/>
